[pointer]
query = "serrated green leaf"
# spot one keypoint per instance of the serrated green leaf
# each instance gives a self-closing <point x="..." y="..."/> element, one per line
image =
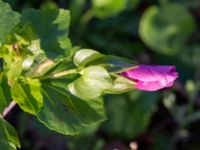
<point x="52" y="27"/>
<point x="55" y="116"/>
<point x="27" y="94"/>
<point x="162" y="32"/>
<point x="24" y="55"/>
<point x="93" y="82"/>
<point x="85" y="56"/>
<point x="9" y="20"/>
<point x="8" y="136"/>
<point x="61" y="106"/>
<point x="5" y="96"/>
<point x="29" y="38"/>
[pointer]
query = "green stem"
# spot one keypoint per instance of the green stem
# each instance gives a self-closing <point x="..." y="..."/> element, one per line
<point x="9" y="108"/>
<point x="87" y="16"/>
<point x="64" y="73"/>
<point x="59" y="74"/>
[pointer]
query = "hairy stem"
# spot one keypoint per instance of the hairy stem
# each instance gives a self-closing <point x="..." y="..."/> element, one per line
<point x="59" y="74"/>
<point x="8" y="109"/>
<point x="64" y="73"/>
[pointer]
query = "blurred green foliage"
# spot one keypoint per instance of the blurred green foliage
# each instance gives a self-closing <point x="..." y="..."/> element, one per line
<point x="106" y="8"/>
<point x="148" y="31"/>
<point x="129" y="115"/>
<point x="167" y="28"/>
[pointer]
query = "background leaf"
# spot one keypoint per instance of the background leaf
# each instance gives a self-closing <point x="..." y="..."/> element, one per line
<point x="130" y="113"/>
<point x="162" y="32"/>
<point x="27" y="94"/>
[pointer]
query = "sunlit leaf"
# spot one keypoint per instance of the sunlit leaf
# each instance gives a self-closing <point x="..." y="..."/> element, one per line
<point x="27" y="94"/>
<point x="84" y="56"/>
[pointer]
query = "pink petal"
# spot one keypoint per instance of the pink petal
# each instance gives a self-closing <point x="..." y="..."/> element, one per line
<point x="151" y="78"/>
<point x="149" y="86"/>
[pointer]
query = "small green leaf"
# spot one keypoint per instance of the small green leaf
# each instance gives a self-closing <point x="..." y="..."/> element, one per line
<point x="4" y="93"/>
<point x="85" y="56"/>
<point x="162" y="32"/>
<point x="9" y="20"/>
<point x="27" y="94"/>
<point x="121" y="85"/>
<point x="83" y="90"/>
<point x="8" y="136"/>
<point x="98" y="77"/>
<point x="93" y="82"/>
<point x="52" y="27"/>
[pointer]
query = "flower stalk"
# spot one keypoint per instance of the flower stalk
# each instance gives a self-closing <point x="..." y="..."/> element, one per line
<point x="8" y="109"/>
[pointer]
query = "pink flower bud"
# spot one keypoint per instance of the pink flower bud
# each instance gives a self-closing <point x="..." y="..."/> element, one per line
<point x="152" y="78"/>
